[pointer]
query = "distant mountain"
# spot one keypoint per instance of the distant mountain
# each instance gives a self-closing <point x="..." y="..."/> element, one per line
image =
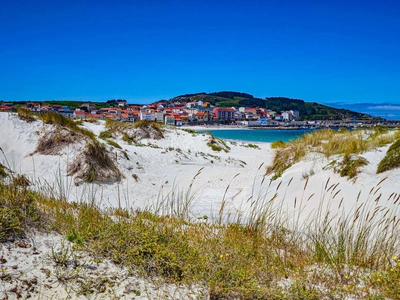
<point x="307" y="110"/>
<point x="386" y="110"/>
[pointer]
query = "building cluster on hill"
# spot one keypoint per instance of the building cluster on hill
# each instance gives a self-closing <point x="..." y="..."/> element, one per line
<point x="176" y="114"/>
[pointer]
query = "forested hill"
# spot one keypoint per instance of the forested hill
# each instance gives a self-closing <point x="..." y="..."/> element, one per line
<point x="308" y="110"/>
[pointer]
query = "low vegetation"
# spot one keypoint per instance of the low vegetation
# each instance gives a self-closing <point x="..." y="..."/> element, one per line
<point x="94" y="164"/>
<point x="350" y="165"/>
<point x="114" y="144"/>
<point x="347" y="144"/>
<point x="188" y="130"/>
<point x="217" y="144"/>
<point x="3" y="171"/>
<point x="105" y="135"/>
<point x="53" y="141"/>
<point x="26" y="115"/>
<point x="262" y="255"/>
<point x="391" y="159"/>
<point x="134" y="132"/>
<point x="58" y="120"/>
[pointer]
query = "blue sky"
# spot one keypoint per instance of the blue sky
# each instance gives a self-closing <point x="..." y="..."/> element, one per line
<point x="321" y="51"/>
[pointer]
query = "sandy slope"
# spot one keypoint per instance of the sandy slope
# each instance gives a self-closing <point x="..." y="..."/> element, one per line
<point x="167" y="165"/>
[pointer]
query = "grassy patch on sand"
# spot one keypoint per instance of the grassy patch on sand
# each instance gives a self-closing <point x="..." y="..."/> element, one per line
<point x="330" y="142"/>
<point x="217" y="144"/>
<point x="133" y="132"/>
<point x="391" y="159"/>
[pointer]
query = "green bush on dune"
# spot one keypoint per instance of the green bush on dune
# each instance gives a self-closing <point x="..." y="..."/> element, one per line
<point x="391" y="159"/>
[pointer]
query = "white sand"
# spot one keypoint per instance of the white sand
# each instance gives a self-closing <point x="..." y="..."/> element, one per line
<point x="170" y="167"/>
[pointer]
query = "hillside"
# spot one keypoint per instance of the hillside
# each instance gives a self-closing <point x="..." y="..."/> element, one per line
<point x="308" y="110"/>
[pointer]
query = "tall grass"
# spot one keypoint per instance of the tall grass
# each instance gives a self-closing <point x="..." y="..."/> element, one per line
<point x="323" y="254"/>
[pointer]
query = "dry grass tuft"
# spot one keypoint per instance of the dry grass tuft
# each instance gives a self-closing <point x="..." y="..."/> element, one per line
<point x="26" y="115"/>
<point x="350" y="165"/>
<point x="136" y="131"/>
<point x="51" y="143"/>
<point x="94" y="165"/>
<point x="57" y="119"/>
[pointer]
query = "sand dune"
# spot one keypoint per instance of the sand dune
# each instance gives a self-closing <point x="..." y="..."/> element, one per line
<point x="167" y="166"/>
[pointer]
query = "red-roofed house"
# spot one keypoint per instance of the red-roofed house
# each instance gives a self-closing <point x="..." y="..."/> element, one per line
<point x="224" y="113"/>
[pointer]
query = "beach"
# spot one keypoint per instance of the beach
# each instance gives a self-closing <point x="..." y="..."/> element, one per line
<point x="156" y="170"/>
<point x="164" y="175"/>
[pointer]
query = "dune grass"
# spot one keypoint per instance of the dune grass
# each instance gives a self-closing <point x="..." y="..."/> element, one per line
<point x="133" y="132"/>
<point x="391" y="159"/>
<point x="56" y="119"/>
<point x="105" y="135"/>
<point x="95" y="165"/>
<point x="26" y="115"/>
<point x="330" y="142"/>
<point x="263" y="254"/>
<point x="217" y="144"/>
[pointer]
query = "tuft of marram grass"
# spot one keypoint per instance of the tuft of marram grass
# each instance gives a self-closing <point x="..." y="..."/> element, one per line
<point x="391" y="159"/>
<point x="105" y="135"/>
<point x="94" y="165"/>
<point x="114" y="144"/>
<point x="59" y="120"/>
<point x="26" y="115"/>
<point x="217" y="144"/>
<point x="132" y="132"/>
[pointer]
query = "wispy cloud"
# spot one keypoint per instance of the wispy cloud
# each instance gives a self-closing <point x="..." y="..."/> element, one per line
<point x="385" y="107"/>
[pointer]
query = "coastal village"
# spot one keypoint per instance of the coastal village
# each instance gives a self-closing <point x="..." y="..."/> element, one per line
<point x="174" y="114"/>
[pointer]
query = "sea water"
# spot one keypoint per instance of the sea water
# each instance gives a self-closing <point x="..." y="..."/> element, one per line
<point x="257" y="135"/>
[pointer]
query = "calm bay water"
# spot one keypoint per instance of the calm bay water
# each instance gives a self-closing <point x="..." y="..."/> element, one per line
<point x="251" y="135"/>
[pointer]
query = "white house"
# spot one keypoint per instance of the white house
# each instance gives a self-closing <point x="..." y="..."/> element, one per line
<point x="287" y="116"/>
<point x="159" y="117"/>
<point x="148" y="116"/>
<point x="295" y="113"/>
